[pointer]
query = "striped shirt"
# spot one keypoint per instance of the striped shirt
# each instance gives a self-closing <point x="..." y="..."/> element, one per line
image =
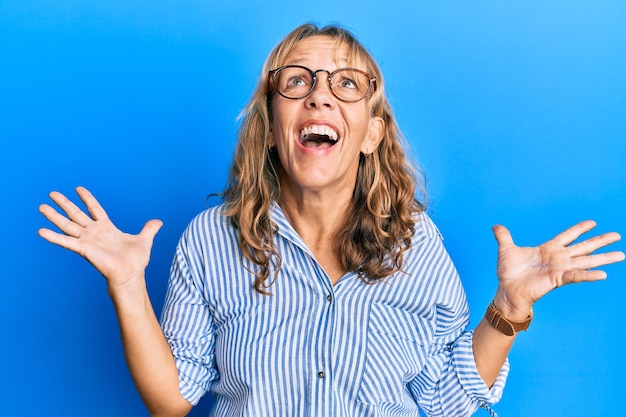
<point x="317" y="349"/>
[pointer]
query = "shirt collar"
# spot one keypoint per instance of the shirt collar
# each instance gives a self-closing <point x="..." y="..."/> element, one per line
<point x="285" y="229"/>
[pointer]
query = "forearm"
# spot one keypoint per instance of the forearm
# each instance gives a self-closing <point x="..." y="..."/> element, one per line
<point x="491" y="347"/>
<point x="148" y="354"/>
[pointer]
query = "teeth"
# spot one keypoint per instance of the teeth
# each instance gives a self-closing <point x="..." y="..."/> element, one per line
<point x="319" y="130"/>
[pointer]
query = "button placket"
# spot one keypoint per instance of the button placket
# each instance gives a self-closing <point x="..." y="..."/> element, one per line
<point x="322" y="396"/>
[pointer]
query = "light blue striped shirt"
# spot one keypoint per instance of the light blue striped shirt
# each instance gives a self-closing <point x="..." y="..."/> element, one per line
<point x="314" y="349"/>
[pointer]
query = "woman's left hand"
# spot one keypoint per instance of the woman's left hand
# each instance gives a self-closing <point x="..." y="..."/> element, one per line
<point x="526" y="274"/>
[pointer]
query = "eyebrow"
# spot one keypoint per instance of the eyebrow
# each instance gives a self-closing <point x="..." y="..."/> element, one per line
<point x="300" y="59"/>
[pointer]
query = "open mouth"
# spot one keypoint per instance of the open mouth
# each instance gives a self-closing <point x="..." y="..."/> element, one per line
<point x="318" y="137"/>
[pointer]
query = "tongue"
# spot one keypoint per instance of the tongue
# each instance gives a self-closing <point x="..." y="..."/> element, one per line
<point x="311" y="144"/>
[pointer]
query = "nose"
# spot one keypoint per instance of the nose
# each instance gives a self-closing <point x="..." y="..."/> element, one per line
<point x="321" y="96"/>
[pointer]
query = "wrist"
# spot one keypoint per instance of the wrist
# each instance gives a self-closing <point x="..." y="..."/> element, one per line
<point x="504" y="325"/>
<point x="514" y="310"/>
<point x="133" y="289"/>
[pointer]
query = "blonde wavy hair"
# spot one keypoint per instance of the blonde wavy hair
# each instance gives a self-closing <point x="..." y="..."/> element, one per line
<point x="381" y="221"/>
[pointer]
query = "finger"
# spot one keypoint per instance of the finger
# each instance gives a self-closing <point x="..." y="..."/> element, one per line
<point x="93" y="206"/>
<point x="64" y="241"/>
<point x="150" y="229"/>
<point x="503" y="236"/>
<point x="566" y="237"/>
<point x="66" y="225"/>
<point x="578" y="276"/>
<point x="71" y="209"/>
<point x="599" y="259"/>
<point x="591" y="245"/>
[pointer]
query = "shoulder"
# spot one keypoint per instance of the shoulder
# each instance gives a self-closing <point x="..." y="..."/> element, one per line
<point x="425" y="229"/>
<point x="211" y="217"/>
<point x="209" y="226"/>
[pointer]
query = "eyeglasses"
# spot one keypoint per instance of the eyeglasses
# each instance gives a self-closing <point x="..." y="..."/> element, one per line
<point x="295" y="82"/>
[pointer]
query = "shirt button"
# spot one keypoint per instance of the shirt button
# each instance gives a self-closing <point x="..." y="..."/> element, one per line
<point x="329" y="297"/>
<point x="321" y="374"/>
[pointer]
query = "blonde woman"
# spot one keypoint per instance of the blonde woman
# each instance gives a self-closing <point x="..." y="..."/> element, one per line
<point x="319" y="287"/>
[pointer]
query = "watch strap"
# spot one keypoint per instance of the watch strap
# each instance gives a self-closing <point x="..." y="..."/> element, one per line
<point x="508" y="327"/>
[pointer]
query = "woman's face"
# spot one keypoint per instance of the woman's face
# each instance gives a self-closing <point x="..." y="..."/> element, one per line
<point x="319" y="137"/>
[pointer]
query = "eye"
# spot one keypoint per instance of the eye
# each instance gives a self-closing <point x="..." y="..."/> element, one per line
<point x="347" y="83"/>
<point x="295" y="81"/>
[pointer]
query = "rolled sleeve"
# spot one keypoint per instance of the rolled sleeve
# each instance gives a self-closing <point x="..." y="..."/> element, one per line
<point x="449" y="384"/>
<point x="188" y="327"/>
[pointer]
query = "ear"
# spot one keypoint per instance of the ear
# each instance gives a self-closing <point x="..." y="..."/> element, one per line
<point x="375" y="133"/>
<point x="270" y="142"/>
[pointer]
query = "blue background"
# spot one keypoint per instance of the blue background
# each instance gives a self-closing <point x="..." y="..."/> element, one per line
<point x="515" y="110"/>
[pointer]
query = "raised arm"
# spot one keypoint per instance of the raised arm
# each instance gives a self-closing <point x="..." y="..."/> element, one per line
<point x="122" y="259"/>
<point x="525" y="274"/>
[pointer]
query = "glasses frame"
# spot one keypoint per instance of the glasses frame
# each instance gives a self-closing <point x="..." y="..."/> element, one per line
<point x="271" y="74"/>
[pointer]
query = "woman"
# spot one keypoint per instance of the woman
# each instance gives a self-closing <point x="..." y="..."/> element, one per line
<point x="319" y="286"/>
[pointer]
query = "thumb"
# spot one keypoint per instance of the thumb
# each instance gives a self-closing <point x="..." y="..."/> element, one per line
<point x="150" y="229"/>
<point x="503" y="236"/>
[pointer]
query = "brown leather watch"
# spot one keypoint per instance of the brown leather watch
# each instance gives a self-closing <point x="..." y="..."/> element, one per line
<point x="504" y="325"/>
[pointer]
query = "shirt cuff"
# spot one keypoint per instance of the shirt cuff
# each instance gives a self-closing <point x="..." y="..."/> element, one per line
<point x="190" y="390"/>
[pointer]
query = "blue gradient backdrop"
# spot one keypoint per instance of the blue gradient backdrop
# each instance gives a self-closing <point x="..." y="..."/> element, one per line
<point x="515" y="110"/>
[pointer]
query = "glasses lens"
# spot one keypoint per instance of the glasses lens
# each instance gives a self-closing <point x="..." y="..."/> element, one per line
<point x="293" y="82"/>
<point x="350" y="85"/>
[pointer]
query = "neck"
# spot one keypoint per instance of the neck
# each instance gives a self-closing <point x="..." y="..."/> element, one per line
<point x="318" y="217"/>
<point x="315" y="213"/>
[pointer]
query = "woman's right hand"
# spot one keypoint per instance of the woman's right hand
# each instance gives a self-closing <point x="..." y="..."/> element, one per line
<point x="120" y="257"/>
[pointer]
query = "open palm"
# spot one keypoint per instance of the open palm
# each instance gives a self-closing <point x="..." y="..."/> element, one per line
<point x="528" y="273"/>
<point x="119" y="256"/>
